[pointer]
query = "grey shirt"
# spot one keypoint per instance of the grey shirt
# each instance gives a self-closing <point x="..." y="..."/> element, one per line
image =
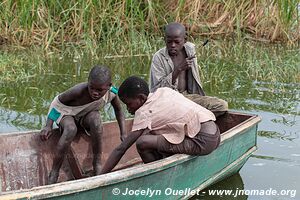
<point x="162" y="68"/>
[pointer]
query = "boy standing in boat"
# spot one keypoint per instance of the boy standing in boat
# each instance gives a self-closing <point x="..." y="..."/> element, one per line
<point x="79" y="106"/>
<point x="175" y="66"/>
<point x="165" y="123"/>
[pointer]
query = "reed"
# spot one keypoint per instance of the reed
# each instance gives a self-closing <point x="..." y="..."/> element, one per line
<point x="223" y="63"/>
<point x="90" y="23"/>
<point x="19" y="67"/>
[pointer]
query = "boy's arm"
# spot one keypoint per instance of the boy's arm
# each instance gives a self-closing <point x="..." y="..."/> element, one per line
<point x="118" y="152"/>
<point x="52" y="115"/>
<point x="120" y="116"/>
<point x="158" y="76"/>
<point x="47" y="130"/>
<point x="185" y="65"/>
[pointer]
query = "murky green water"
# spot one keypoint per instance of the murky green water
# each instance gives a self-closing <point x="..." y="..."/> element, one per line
<point x="276" y="164"/>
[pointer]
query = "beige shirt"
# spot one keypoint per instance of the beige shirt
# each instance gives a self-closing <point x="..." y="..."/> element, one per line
<point x="169" y="113"/>
<point x="58" y="110"/>
<point x="162" y="68"/>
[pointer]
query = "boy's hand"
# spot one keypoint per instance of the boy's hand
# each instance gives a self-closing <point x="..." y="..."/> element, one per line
<point x="187" y="64"/>
<point x="46" y="132"/>
<point x="189" y="61"/>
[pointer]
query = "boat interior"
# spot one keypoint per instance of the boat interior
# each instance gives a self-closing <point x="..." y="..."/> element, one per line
<point x="26" y="160"/>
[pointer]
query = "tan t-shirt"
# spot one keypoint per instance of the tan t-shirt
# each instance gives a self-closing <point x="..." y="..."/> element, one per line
<point x="169" y="113"/>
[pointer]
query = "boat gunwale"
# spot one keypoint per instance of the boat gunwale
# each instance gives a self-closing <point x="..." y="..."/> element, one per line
<point x="80" y="185"/>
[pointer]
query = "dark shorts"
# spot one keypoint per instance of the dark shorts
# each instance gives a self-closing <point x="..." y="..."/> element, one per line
<point x="213" y="104"/>
<point x="202" y="144"/>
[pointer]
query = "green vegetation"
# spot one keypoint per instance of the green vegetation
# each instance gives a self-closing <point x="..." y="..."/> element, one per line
<point x="117" y="29"/>
<point x="48" y="46"/>
<point x="250" y="76"/>
<point x="219" y="61"/>
<point x="122" y="24"/>
<point x="222" y="61"/>
<point x="20" y="67"/>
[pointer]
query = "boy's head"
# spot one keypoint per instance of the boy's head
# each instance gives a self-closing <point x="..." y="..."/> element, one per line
<point x="175" y="37"/>
<point x="133" y="92"/>
<point x="99" y="81"/>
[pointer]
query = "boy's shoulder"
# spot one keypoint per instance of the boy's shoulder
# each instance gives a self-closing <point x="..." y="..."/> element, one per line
<point x="162" y="93"/>
<point x="189" y="46"/>
<point x="109" y="96"/>
<point x="161" y="52"/>
<point x="164" y="90"/>
<point x="82" y="84"/>
<point x="79" y="88"/>
<point x="75" y="91"/>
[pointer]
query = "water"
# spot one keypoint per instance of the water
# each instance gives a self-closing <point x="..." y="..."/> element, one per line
<point x="274" y="166"/>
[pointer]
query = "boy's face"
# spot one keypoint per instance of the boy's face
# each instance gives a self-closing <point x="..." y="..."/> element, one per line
<point x="174" y="40"/>
<point x="98" y="90"/>
<point x="133" y="104"/>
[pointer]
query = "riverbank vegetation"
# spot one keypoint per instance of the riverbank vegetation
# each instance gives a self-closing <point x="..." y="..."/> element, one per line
<point x="256" y="39"/>
<point x="56" y="24"/>
<point x="219" y="61"/>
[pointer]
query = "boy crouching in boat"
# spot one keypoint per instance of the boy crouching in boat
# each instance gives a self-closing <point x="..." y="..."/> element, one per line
<point x="79" y="106"/>
<point x="165" y="123"/>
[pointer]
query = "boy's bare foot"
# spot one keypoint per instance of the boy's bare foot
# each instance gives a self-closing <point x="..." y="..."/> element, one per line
<point x="53" y="176"/>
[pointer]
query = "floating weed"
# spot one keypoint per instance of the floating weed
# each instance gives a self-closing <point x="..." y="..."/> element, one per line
<point x="20" y="67"/>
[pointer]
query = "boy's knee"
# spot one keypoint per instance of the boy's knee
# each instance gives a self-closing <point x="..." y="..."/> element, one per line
<point x="93" y="121"/>
<point x="92" y="116"/>
<point x="218" y="105"/>
<point x="140" y="144"/>
<point x="220" y="108"/>
<point x="69" y="132"/>
<point x="71" y="129"/>
<point x="97" y="127"/>
<point x="223" y="105"/>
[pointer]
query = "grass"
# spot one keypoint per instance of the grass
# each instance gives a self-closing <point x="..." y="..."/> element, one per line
<point x="56" y="24"/>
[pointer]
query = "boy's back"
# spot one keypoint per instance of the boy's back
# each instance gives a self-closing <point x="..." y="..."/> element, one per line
<point x="165" y="123"/>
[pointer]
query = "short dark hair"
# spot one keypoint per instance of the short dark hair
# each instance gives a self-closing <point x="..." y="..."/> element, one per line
<point x="175" y="26"/>
<point x="133" y="86"/>
<point x="100" y="73"/>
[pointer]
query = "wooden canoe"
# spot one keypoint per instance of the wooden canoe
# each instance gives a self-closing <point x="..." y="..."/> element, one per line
<point x="26" y="161"/>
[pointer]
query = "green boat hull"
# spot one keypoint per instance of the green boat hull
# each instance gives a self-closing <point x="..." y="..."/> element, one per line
<point x="180" y="179"/>
<point x="175" y="177"/>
